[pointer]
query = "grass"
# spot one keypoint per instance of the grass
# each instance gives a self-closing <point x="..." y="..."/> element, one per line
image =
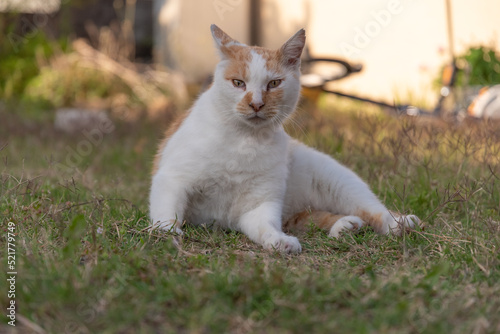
<point x="86" y="264"/>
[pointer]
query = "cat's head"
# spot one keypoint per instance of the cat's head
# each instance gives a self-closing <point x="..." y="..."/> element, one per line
<point x="257" y="86"/>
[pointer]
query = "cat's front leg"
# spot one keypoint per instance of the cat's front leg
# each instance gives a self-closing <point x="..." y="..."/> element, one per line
<point x="263" y="226"/>
<point x="168" y="198"/>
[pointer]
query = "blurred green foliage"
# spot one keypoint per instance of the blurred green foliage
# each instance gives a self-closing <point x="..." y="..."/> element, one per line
<point x="484" y="67"/>
<point x="20" y="58"/>
<point x="69" y="83"/>
<point x="42" y="73"/>
<point x="479" y="66"/>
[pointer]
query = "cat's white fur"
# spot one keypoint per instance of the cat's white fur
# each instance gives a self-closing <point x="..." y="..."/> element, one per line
<point x="241" y="170"/>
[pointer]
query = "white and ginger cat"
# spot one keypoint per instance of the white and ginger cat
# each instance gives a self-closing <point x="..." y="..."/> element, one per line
<point x="230" y="162"/>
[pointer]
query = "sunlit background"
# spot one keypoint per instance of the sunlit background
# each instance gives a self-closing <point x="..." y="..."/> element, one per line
<point x="401" y="44"/>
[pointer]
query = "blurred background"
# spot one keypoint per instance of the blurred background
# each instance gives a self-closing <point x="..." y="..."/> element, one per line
<point x="136" y="56"/>
<point x="88" y="87"/>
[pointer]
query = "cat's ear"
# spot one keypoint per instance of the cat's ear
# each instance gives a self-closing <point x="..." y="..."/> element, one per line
<point x="222" y="40"/>
<point x="292" y="49"/>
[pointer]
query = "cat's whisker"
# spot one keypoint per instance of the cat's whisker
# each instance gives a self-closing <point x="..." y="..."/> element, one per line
<point x="289" y="119"/>
<point x="297" y="127"/>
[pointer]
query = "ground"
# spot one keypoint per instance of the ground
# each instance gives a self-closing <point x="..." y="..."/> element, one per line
<point x="86" y="263"/>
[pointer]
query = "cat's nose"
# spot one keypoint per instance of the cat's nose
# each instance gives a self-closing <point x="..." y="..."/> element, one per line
<point x="256" y="105"/>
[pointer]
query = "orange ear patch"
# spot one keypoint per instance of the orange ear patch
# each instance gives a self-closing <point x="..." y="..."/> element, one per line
<point x="292" y="49"/>
<point x="220" y="36"/>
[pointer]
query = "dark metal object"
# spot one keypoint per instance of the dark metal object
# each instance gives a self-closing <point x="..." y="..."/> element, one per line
<point x="448" y="78"/>
<point x="347" y="70"/>
<point x="255" y="22"/>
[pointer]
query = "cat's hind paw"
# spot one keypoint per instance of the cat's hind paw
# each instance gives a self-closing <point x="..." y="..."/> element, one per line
<point x="347" y="223"/>
<point x="404" y="222"/>
<point x="283" y="243"/>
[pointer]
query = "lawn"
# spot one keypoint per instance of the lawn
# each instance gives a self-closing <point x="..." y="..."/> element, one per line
<point x="86" y="263"/>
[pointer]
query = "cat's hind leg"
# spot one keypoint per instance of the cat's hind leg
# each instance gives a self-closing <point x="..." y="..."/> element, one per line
<point x="333" y="224"/>
<point x="319" y="182"/>
<point x="385" y="222"/>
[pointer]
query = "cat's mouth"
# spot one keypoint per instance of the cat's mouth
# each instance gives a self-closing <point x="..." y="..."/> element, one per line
<point x="256" y="118"/>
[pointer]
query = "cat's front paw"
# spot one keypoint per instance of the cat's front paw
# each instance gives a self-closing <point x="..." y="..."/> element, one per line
<point x="399" y="223"/>
<point x="283" y="243"/>
<point x="347" y="223"/>
<point x="168" y="226"/>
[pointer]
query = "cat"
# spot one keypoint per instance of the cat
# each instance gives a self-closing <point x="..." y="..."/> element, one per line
<point x="228" y="161"/>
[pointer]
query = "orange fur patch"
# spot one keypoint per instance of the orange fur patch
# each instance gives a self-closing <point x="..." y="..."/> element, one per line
<point x="273" y="59"/>
<point x="240" y="57"/>
<point x="243" y="105"/>
<point x="236" y="70"/>
<point x="373" y="220"/>
<point x="237" y="52"/>
<point x="176" y="124"/>
<point x="274" y="96"/>
<point x="300" y="221"/>
<point x="272" y="100"/>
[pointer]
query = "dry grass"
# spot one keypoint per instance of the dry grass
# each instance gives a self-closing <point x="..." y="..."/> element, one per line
<point x="87" y="265"/>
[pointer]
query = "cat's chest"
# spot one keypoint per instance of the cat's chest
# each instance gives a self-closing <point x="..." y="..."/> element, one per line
<point x="234" y="177"/>
<point x="221" y="194"/>
<point x="240" y="156"/>
<point x="236" y="166"/>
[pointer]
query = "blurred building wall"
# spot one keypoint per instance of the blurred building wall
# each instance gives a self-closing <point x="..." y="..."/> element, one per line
<point x="30" y="6"/>
<point x="182" y="29"/>
<point x="182" y="32"/>
<point x="401" y="43"/>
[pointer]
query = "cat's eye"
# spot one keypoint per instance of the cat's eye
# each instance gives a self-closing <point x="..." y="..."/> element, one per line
<point x="238" y="83"/>
<point x="274" y="83"/>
